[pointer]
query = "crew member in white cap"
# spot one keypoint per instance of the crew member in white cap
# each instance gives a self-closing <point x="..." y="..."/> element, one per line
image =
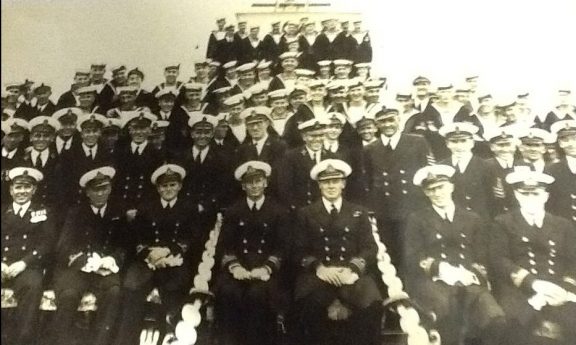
<point x="252" y="48"/>
<point x="70" y="97"/>
<point x="333" y="43"/>
<point x="281" y="110"/>
<point x="44" y="106"/>
<point x="108" y="94"/>
<point x="28" y="236"/>
<point x="171" y="73"/>
<point x="253" y="243"/>
<point x="176" y="116"/>
<point x="228" y="48"/>
<point x="87" y="99"/>
<point x="14" y="132"/>
<point x="472" y="175"/>
<point x="167" y="242"/>
<point x="215" y="36"/>
<point x="271" y="43"/>
<point x="287" y="78"/>
<point x="264" y="73"/>
<point x="295" y="188"/>
<point x="563" y="190"/>
<point x="446" y="262"/>
<point x="391" y="161"/>
<point x="334" y="249"/>
<point x="246" y="78"/>
<point x="234" y="105"/>
<point x="67" y="134"/>
<point x="144" y="98"/>
<point x="532" y="147"/>
<point x="534" y="262"/>
<point x="89" y="256"/>
<point x="564" y="110"/>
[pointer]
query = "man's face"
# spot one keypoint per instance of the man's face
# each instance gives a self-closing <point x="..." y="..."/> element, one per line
<point x="356" y="93"/>
<point x="110" y="137"/>
<point x="504" y="149"/>
<point x="309" y="29"/>
<point x="568" y="144"/>
<point x="247" y="78"/>
<point x="166" y="103"/>
<point x="372" y="95"/>
<point x="279" y="105"/>
<point x="98" y="195"/>
<point x="440" y="193"/>
<point x="324" y="72"/>
<point x="127" y="98"/>
<point x="231" y="73"/>
<point x="13" y="95"/>
<point x="472" y="84"/>
<point x="134" y="80"/>
<point x="44" y="97"/>
<point x="201" y="70"/>
<point x="303" y="79"/>
<point x="276" y="27"/>
<point x="202" y="135"/>
<point x="264" y="74"/>
<point x="362" y="72"/>
<point x="331" y="25"/>
<point x="221" y="24"/>
<point x="332" y="189"/>
<point x="314" y="139"/>
<point x="120" y="77"/>
<point x="297" y="100"/>
<point x="260" y="99"/>
<point x="317" y="94"/>
<point x="12" y="140"/>
<point x="357" y="26"/>
<point x="460" y="146"/>
<point x="254" y="187"/>
<point x="194" y="96"/>
<point x="445" y="96"/>
<point x="157" y="139"/>
<point x="289" y="64"/>
<point x="139" y="134"/>
<point x="254" y="33"/>
<point x="22" y="192"/>
<point x="563" y="98"/>
<point x="212" y="70"/>
<point x="406" y="104"/>
<point x="86" y="99"/>
<point x="294" y="46"/>
<point x="532" y="200"/>
<point x="169" y="190"/>
<point x="235" y="110"/>
<point x="367" y="131"/>
<point x="97" y="72"/>
<point x="422" y="89"/>
<point x="334" y="130"/>
<point x="81" y="79"/>
<point x="462" y="97"/>
<point x="291" y="29"/>
<point x="338" y="95"/>
<point x="388" y="126"/>
<point x="242" y="26"/>
<point x="67" y="129"/>
<point x="487" y="104"/>
<point x="91" y="135"/>
<point x="257" y="129"/>
<point x="221" y="130"/>
<point x="532" y="151"/>
<point x="171" y="74"/>
<point x="341" y="72"/>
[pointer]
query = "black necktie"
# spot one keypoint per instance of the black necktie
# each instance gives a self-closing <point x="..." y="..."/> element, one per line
<point x="254" y="209"/>
<point x="38" y="162"/>
<point x="333" y="211"/>
<point x="198" y="158"/>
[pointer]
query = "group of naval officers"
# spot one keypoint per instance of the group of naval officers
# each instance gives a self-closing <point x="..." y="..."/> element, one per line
<point x="114" y="190"/>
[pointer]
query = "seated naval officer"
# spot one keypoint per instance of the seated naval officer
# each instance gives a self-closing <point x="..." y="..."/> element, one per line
<point x="445" y="254"/>
<point x="334" y="248"/>
<point x="532" y="148"/>
<point x="166" y="248"/>
<point x="14" y="135"/>
<point x="27" y="238"/>
<point x="563" y="190"/>
<point x="253" y="245"/>
<point x="89" y="256"/>
<point x="534" y="257"/>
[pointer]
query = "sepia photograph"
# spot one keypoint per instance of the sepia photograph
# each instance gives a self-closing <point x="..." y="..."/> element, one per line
<point x="288" y="172"/>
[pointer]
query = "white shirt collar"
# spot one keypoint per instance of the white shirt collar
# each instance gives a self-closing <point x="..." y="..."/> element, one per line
<point x="99" y="211"/>
<point x="332" y="147"/>
<point x="87" y="149"/>
<point x="260" y="143"/>
<point x="447" y="211"/>
<point x="571" y="161"/>
<point x="462" y="161"/>
<point x="393" y="140"/>
<point x="505" y="164"/>
<point x="165" y="115"/>
<point x="258" y="202"/>
<point x="166" y="203"/>
<point x="534" y="219"/>
<point x="8" y="154"/>
<point x="22" y="208"/>
<point x="42" y="107"/>
<point x="43" y="156"/>
<point x="203" y="153"/>
<point x="312" y="154"/>
<point x="63" y="144"/>
<point x="141" y="146"/>
<point x="328" y="204"/>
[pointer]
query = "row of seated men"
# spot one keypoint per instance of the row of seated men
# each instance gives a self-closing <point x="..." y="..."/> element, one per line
<point x="336" y="40"/>
<point x="508" y="280"/>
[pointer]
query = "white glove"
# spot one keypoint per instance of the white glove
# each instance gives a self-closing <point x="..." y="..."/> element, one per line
<point x="467" y="277"/>
<point x="549" y="289"/>
<point x="109" y="263"/>
<point x="15" y="269"/>
<point x="173" y="261"/>
<point x="347" y="276"/>
<point x="149" y="336"/>
<point x="93" y="263"/>
<point x="331" y="275"/>
<point x="131" y="215"/>
<point x="261" y="273"/>
<point x="156" y="253"/>
<point x="447" y="273"/>
<point x="240" y="273"/>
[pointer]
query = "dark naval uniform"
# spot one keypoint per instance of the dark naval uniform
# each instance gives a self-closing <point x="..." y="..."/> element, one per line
<point x="29" y="238"/>
<point x="562" y="200"/>
<point x="83" y="234"/>
<point x="252" y="238"/>
<point x="12" y="159"/>
<point x="78" y="163"/>
<point x="176" y="228"/>
<point x="48" y="191"/>
<point x="547" y="253"/>
<point x="501" y="199"/>
<point x="431" y="240"/>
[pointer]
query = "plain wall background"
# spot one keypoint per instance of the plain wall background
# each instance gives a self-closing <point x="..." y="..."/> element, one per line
<point x="516" y="46"/>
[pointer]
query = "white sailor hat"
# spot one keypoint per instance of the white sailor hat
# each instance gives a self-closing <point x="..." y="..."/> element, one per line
<point x="365" y="120"/>
<point x="222" y="90"/>
<point x="87" y="89"/>
<point x="336" y="116"/>
<point x="82" y="71"/>
<point x="126" y="89"/>
<point x="257" y="89"/>
<point x="98" y="64"/>
<point x="278" y="94"/>
<point x="91" y="120"/>
<point x="167" y="91"/>
<point x="384" y="112"/>
<point x="374" y="84"/>
<point x="42" y="88"/>
<point x="247" y="67"/>
<point x="222" y="118"/>
<point x="330" y="169"/>
<point x="214" y="63"/>
<point x="535" y="136"/>
<point x="564" y="128"/>
<point x="198" y="118"/>
<point x="432" y="174"/>
<point x="504" y="133"/>
<point x="263" y="64"/>
<point x="363" y="65"/>
<point x="14" y="125"/>
<point x="254" y="114"/>
<point x="289" y="55"/>
<point x="112" y="122"/>
<point x="252" y="168"/>
<point x="342" y="62"/>
<point x="67" y="114"/>
<point x="354" y="82"/>
<point x="523" y="178"/>
<point x="193" y="86"/>
<point x="168" y="172"/>
<point x="230" y="64"/>
<point x="304" y="72"/>
<point x="43" y="122"/>
<point x="324" y="63"/>
<point x="98" y="177"/>
<point x="420" y="80"/>
<point x="313" y="124"/>
<point x="299" y="89"/>
<point x="12" y="86"/>
<point x="314" y="83"/>
<point x="118" y="69"/>
<point x="139" y="119"/>
<point x="458" y="130"/>
<point x="172" y="66"/>
<point x="234" y="100"/>
<point x="158" y="126"/>
<point x="337" y="85"/>
<point x="25" y="174"/>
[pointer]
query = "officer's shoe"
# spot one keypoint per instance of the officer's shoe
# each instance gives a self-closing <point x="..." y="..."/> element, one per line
<point x="338" y="311"/>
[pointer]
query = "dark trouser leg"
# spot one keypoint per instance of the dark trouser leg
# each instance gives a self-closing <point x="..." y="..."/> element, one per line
<point x="312" y="314"/>
<point x="137" y="285"/>
<point x="70" y="285"/>
<point x="366" y="325"/>
<point x="260" y="319"/>
<point x="28" y="292"/>
<point x="108" y="296"/>
<point x="229" y="313"/>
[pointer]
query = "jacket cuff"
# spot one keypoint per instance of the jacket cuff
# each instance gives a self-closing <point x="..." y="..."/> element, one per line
<point x="569" y="284"/>
<point x="309" y="262"/>
<point x="229" y="260"/>
<point x="358" y="265"/>
<point x="273" y="262"/>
